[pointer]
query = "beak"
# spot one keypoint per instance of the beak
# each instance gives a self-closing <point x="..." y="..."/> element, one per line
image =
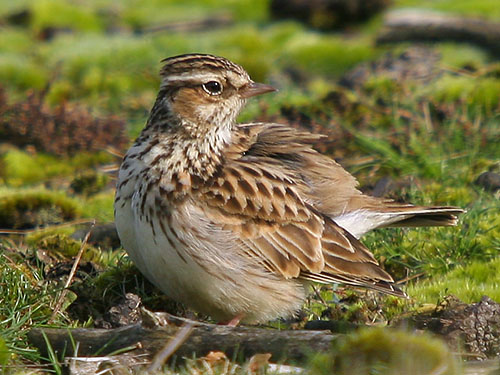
<point x="254" y="89"/>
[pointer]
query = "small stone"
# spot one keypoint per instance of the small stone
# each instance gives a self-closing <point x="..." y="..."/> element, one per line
<point x="383" y="187"/>
<point x="125" y="313"/>
<point x="489" y="181"/>
<point x="102" y="235"/>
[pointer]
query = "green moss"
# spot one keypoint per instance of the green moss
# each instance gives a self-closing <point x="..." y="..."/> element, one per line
<point x="439" y="194"/>
<point x="89" y="160"/>
<point x="462" y="56"/>
<point x="63" y="14"/>
<point x="8" y="7"/>
<point x="469" y="283"/>
<point x="383" y="87"/>
<point x="55" y="243"/>
<point x="385" y="351"/>
<point x="19" y="73"/>
<point x="15" y="41"/>
<point x="100" y="206"/>
<point x="155" y="13"/>
<point x="21" y="209"/>
<point x="482" y="92"/>
<point x="60" y="245"/>
<point x="4" y="352"/>
<point x="330" y="55"/>
<point x="139" y="14"/>
<point x="248" y="46"/>
<point x="21" y="168"/>
<point x="102" y="68"/>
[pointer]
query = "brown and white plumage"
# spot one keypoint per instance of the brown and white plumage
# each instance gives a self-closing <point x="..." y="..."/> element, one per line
<point x="233" y="219"/>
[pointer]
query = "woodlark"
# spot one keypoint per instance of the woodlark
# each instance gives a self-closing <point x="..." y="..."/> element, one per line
<point x="234" y="219"/>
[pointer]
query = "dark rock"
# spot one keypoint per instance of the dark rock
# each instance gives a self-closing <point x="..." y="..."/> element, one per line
<point x="327" y="14"/>
<point x="476" y="327"/>
<point x="416" y="63"/>
<point x="88" y="183"/>
<point x="125" y="313"/>
<point x="102" y="235"/>
<point x="390" y="188"/>
<point x="22" y="18"/>
<point x="50" y="32"/>
<point x="335" y="326"/>
<point x="26" y="210"/>
<point x="61" y="270"/>
<point x="383" y="187"/>
<point x="489" y="181"/>
<point x="427" y="26"/>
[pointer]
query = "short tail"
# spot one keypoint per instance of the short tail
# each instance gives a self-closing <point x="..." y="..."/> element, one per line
<point x="415" y="216"/>
<point x="391" y="214"/>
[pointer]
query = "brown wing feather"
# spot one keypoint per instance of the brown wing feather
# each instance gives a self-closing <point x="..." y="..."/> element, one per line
<point x="262" y="199"/>
<point x="330" y="188"/>
<point x="270" y="216"/>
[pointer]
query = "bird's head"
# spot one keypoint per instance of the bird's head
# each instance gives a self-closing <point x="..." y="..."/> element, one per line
<point x="205" y="91"/>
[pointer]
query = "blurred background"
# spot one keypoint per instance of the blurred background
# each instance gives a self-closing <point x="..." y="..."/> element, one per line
<point x="106" y="54"/>
<point x="407" y="91"/>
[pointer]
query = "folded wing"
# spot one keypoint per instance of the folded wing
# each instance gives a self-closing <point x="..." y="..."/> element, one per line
<point x="258" y="195"/>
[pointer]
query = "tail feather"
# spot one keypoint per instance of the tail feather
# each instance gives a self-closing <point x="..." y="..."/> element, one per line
<point x="360" y="221"/>
<point x="386" y="287"/>
<point x="426" y="217"/>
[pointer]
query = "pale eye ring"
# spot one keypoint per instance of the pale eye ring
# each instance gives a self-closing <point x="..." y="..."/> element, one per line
<point x="212" y="88"/>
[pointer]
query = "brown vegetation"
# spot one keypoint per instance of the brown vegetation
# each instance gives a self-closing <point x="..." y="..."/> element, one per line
<point x="63" y="130"/>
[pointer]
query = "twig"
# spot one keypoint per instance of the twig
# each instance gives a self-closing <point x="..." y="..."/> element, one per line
<point x="71" y="274"/>
<point x="316" y="291"/>
<point x="110" y="169"/>
<point x="406" y="279"/>
<point x="171" y="347"/>
<point x="114" y="151"/>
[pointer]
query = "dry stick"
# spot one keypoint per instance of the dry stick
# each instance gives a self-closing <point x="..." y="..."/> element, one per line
<point x="287" y="345"/>
<point x="113" y="168"/>
<point x="316" y="291"/>
<point x="171" y="347"/>
<point x="71" y="274"/>
<point x="113" y="151"/>
<point x="406" y="279"/>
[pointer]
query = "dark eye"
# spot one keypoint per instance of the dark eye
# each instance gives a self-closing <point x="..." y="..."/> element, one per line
<point x="212" y="88"/>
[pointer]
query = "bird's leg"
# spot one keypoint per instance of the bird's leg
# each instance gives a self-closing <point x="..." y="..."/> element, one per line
<point x="233" y="322"/>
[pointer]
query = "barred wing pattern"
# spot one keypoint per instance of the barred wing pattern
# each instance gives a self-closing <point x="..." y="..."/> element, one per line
<point x="258" y="195"/>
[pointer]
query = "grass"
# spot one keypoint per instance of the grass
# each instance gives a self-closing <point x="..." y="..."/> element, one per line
<point x="467" y="282"/>
<point x="439" y="135"/>
<point x="26" y="302"/>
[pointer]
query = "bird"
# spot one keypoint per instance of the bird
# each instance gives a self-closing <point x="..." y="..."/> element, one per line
<point x="237" y="220"/>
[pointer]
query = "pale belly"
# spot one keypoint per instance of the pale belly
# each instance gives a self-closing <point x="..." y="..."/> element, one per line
<point x="199" y="264"/>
